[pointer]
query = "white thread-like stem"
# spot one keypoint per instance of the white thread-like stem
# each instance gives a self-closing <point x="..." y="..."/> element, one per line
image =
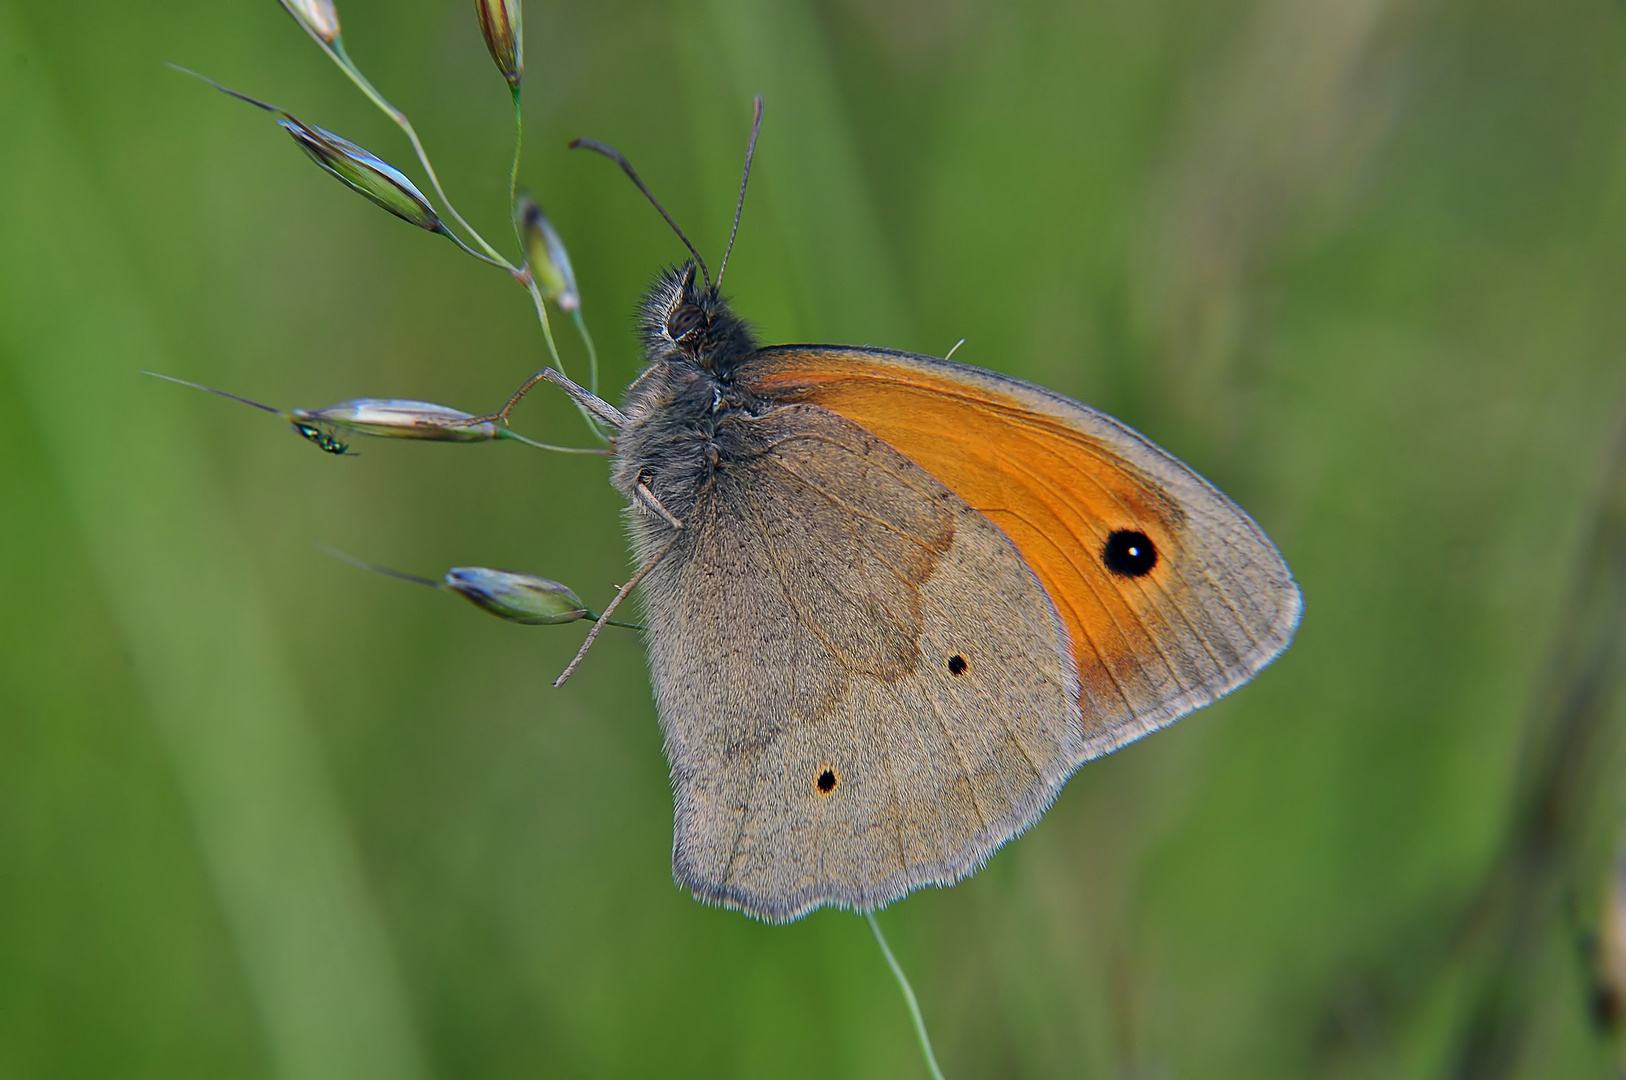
<point x="909" y="999"/>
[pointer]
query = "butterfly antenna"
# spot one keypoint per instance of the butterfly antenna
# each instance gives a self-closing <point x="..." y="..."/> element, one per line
<point x="626" y="166"/>
<point x="739" y="207"/>
<point x="212" y="390"/>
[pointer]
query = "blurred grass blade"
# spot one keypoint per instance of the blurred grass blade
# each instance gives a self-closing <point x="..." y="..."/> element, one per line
<point x="1609" y="994"/>
<point x="1568" y="794"/>
<point x="313" y="953"/>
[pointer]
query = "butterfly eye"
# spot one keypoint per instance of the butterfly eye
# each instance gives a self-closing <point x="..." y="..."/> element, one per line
<point x="684" y="320"/>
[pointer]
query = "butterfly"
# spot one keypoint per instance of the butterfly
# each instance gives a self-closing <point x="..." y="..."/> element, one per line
<point x="894" y="602"/>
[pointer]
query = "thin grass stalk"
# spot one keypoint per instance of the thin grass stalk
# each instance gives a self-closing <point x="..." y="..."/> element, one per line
<point x="592" y="353"/>
<point x="547" y="332"/>
<point x="909" y="999"/>
<point x="337" y="53"/>
<point x="513" y="173"/>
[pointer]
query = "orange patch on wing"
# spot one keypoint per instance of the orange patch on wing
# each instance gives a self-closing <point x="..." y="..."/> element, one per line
<point x="1058" y="493"/>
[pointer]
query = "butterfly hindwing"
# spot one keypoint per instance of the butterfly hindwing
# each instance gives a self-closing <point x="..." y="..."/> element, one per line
<point x="864" y="688"/>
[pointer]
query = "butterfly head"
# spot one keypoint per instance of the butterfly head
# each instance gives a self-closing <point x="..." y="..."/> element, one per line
<point x="687" y="322"/>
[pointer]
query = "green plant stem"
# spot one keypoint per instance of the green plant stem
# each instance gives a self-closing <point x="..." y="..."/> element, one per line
<point x="337" y="53"/>
<point x="592" y="353"/>
<point x="909" y="999"/>
<point x="618" y="622"/>
<point x="505" y="433"/>
<point x="553" y="349"/>
<point x="536" y="293"/>
<point x="513" y="173"/>
<point x="542" y="316"/>
<point x="454" y="238"/>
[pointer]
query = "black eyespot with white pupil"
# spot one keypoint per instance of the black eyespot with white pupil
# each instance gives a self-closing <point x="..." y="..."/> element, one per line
<point x="685" y="320"/>
<point x="1129" y="553"/>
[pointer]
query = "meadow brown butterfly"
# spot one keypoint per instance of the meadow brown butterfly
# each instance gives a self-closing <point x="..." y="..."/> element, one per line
<point x="893" y="602"/>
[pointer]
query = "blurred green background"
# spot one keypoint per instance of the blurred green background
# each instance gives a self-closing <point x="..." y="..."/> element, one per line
<point x="1361" y="262"/>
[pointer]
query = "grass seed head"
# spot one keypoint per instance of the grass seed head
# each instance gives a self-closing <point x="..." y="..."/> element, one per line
<point x="500" y="22"/>
<point x="546" y="255"/>
<point x="363" y="172"/>
<point x="393" y="418"/>
<point x="317" y="16"/>
<point x="520" y="598"/>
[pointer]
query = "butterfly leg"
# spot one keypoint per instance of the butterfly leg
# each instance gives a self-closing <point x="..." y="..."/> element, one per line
<point x="588" y="400"/>
<point x="525" y="388"/>
<point x="647" y="497"/>
<point x="597" y="406"/>
<point x="501" y="415"/>
<point x="620" y="595"/>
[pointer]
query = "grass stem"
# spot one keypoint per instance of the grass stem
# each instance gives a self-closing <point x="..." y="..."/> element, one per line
<point x="909" y="999"/>
<point x="337" y="53"/>
<point x="592" y="353"/>
<point x="513" y="172"/>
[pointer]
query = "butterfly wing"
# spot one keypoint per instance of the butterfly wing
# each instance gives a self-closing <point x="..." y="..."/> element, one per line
<point x="905" y="611"/>
<point x="1065" y="483"/>
<point x="863" y="686"/>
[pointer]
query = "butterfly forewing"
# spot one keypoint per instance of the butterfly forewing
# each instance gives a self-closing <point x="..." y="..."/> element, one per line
<point x="1170" y="595"/>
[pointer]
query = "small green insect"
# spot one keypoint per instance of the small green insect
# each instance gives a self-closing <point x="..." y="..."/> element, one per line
<point x="327" y="440"/>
